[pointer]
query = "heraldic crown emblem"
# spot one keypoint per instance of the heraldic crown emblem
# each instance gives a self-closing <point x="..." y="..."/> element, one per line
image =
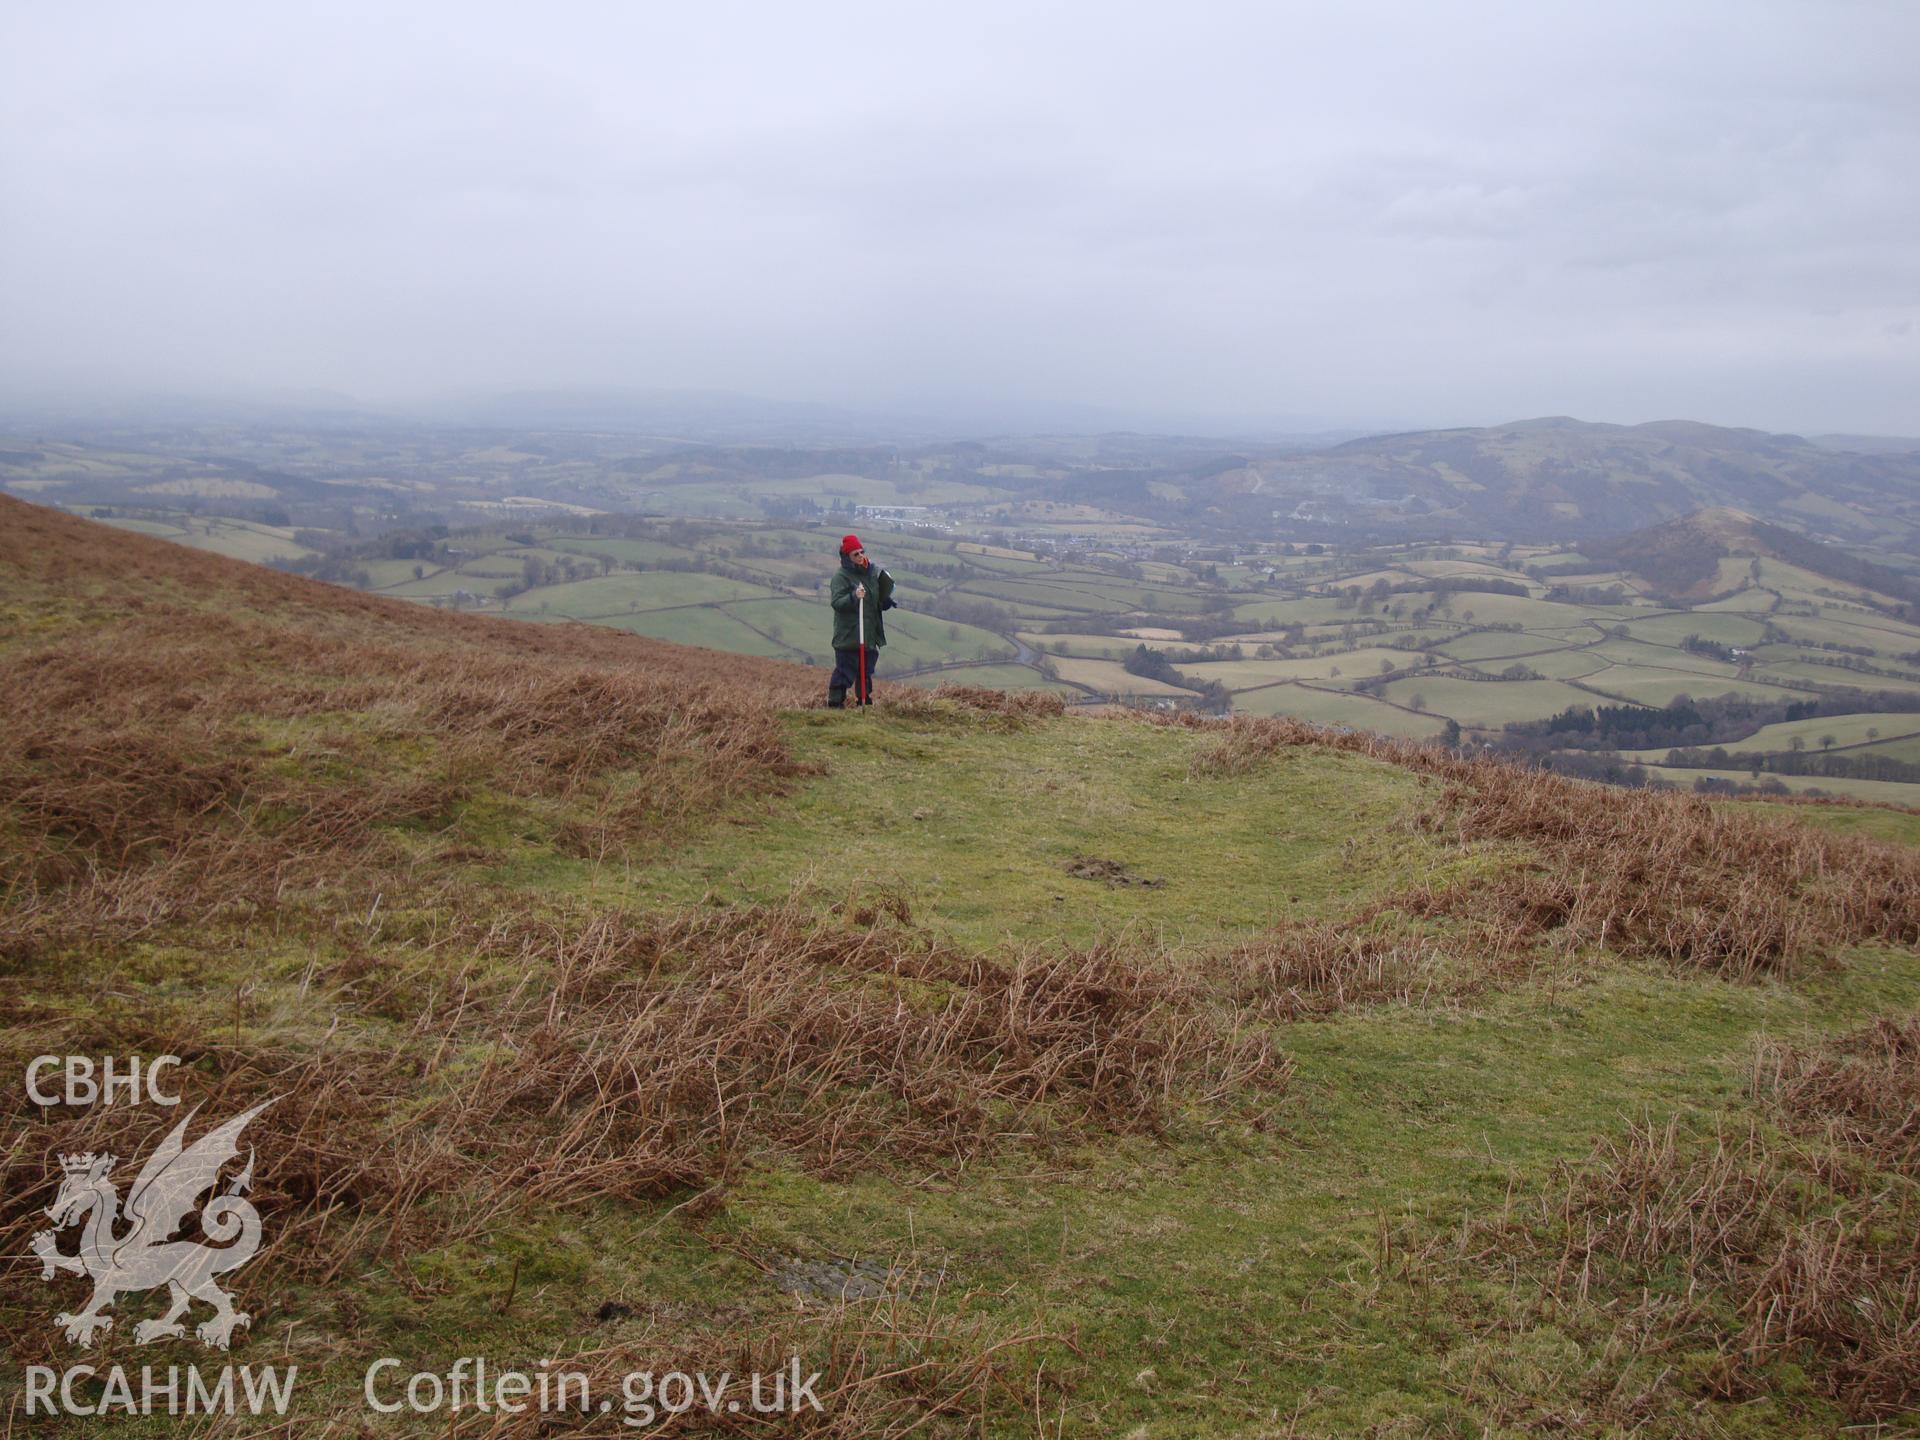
<point x="144" y="1255"/>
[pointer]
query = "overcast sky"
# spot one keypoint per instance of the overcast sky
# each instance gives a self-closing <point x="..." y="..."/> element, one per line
<point x="1415" y="212"/>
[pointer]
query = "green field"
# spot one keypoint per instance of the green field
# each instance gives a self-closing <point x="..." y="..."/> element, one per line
<point x="627" y="552"/>
<point x="1795" y="582"/>
<point x="1846" y="730"/>
<point x="1876" y="792"/>
<point x="1092" y="647"/>
<point x="649" y="590"/>
<point x="804" y="626"/>
<point x="1264" y="614"/>
<point x="1751" y="601"/>
<point x="914" y="639"/>
<point x="1645" y="685"/>
<point x="1348" y="664"/>
<point x="1497" y="645"/>
<point x="1482" y="703"/>
<point x="509" y="563"/>
<point x="1724" y="629"/>
<point x="1476" y="609"/>
<point x="1876" y="632"/>
<point x="993" y="677"/>
<point x="1646" y="654"/>
<point x="1571" y="664"/>
<point x="439" y="584"/>
<point x="1807" y="672"/>
<point x="1083" y="594"/>
<point x="1907" y="748"/>
<point x="1106" y="677"/>
<point x="698" y="625"/>
<point x="1344" y="711"/>
<point x="236" y="539"/>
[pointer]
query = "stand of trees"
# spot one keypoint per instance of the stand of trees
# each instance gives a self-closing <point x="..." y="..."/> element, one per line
<point x="1712" y="649"/>
<point x="1798" y="762"/>
<point x="1151" y="664"/>
<point x="1686" y="723"/>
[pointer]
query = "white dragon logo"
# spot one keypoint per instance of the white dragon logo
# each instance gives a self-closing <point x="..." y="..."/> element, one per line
<point x="167" y="1189"/>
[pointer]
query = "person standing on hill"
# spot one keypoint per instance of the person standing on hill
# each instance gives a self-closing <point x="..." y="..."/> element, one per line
<point x="858" y="594"/>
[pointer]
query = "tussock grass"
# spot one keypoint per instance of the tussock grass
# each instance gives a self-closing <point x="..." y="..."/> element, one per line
<point x="999" y="709"/>
<point x="1644" y="874"/>
<point x="146" y="774"/>
<point x="611" y="1057"/>
<point x="1861" y="1093"/>
<point x="1784" y="1237"/>
<point x="920" y="1359"/>
<point x="1323" y="968"/>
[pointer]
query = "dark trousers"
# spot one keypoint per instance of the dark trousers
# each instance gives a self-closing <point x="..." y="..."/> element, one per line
<point x="846" y="676"/>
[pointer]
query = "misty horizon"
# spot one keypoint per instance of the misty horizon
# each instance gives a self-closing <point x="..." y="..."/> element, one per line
<point x="1243" y="221"/>
<point x="712" y="415"/>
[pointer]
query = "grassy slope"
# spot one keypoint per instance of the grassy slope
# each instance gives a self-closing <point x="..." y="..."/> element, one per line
<point x="977" y="831"/>
<point x="1221" y="1278"/>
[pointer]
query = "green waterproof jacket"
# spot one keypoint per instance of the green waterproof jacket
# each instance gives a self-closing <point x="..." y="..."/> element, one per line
<point x="846" y="618"/>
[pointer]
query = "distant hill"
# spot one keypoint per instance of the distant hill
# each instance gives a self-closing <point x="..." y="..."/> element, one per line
<point x="1683" y="557"/>
<point x="1565" y="479"/>
<point x="1552" y="480"/>
<point x="1869" y="444"/>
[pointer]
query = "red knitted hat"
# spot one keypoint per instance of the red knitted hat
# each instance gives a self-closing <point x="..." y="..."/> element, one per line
<point x="849" y="544"/>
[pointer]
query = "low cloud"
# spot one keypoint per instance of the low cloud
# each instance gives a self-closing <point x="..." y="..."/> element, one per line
<point x="1436" y="214"/>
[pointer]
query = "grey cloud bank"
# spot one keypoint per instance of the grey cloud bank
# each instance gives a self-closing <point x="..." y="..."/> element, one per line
<point x="1444" y="214"/>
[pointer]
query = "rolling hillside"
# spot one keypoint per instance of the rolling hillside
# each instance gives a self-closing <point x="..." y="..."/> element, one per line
<point x="1564" y="479"/>
<point x="1684" y="560"/>
<point x="1549" y="481"/>
<point x="1020" y="1073"/>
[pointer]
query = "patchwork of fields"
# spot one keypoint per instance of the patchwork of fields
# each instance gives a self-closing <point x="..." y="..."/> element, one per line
<point x="1414" y="642"/>
<point x="1411" y="661"/>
